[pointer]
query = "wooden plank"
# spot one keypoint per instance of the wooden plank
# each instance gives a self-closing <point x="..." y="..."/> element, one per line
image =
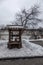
<point x="15" y="35"/>
<point x="14" y="42"/>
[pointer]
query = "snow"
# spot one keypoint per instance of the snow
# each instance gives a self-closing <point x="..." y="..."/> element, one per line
<point x="13" y="26"/>
<point x="34" y="47"/>
<point x="36" y="39"/>
<point x="28" y="49"/>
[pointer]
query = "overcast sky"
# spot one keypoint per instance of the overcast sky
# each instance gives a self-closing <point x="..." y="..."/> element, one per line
<point x="8" y="8"/>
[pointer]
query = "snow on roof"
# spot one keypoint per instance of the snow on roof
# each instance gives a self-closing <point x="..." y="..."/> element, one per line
<point x="15" y="26"/>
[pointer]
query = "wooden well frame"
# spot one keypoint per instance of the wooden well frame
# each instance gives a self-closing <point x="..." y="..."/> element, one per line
<point x="15" y="36"/>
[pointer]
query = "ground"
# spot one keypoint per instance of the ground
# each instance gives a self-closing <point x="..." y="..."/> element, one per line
<point x="35" y="61"/>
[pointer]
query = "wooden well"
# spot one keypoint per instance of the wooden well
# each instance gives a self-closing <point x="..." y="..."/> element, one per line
<point x="15" y="36"/>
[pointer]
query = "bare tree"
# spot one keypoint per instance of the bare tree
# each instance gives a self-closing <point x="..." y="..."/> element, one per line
<point x="28" y="17"/>
<point x="25" y="16"/>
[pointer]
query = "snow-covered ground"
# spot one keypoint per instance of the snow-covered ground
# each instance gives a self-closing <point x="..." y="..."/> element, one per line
<point x="28" y="49"/>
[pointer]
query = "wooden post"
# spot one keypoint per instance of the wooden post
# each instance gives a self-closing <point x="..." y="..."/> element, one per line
<point x="20" y="38"/>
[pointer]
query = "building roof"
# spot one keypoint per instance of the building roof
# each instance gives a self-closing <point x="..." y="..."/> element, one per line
<point x="15" y="26"/>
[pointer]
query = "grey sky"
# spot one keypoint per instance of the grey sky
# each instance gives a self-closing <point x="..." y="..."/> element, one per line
<point x="8" y="8"/>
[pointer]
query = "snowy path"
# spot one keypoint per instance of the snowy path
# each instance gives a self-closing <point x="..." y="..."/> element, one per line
<point x="35" y="49"/>
<point x="28" y="49"/>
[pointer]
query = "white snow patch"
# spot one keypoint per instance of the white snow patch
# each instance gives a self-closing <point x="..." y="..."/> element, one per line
<point x="28" y="49"/>
<point x="36" y="39"/>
